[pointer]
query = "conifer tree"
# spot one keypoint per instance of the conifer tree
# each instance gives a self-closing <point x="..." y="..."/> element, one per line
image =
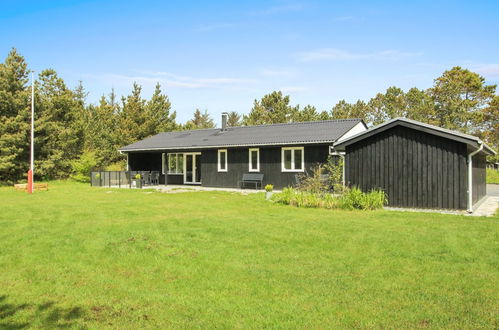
<point x="159" y="115"/>
<point x="59" y="130"/>
<point x="200" y="120"/>
<point x="14" y="118"/>
<point x="233" y="119"/>
<point x="133" y="124"/>
<point x="272" y="108"/>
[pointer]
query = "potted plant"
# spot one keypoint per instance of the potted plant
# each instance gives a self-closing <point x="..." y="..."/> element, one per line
<point x="268" y="191"/>
<point x="138" y="181"/>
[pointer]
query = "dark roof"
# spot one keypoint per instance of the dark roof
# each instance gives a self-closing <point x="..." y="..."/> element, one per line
<point x="470" y="140"/>
<point x="326" y="131"/>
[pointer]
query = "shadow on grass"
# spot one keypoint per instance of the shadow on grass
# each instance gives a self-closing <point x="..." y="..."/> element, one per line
<point x="45" y="315"/>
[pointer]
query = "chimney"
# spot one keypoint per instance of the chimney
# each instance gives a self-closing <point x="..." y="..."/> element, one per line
<point x="224" y="121"/>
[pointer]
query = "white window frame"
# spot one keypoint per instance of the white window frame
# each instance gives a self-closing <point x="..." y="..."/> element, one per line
<point x="218" y="160"/>
<point x="257" y="169"/>
<point x="163" y="163"/>
<point x="166" y="162"/>
<point x="293" y="167"/>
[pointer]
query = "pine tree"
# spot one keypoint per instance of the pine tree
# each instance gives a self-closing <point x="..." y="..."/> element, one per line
<point x="272" y="108"/>
<point x="14" y="118"/>
<point x="101" y="129"/>
<point x="343" y="110"/>
<point x="133" y="124"/>
<point x="59" y="127"/>
<point x="233" y="119"/>
<point x="159" y="118"/>
<point x="308" y="113"/>
<point x="200" y="120"/>
<point x="460" y="97"/>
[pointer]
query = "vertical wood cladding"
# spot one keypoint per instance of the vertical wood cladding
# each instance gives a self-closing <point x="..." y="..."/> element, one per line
<point x="270" y="166"/>
<point x="479" y="176"/>
<point x="414" y="168"/>
<point x="237" y="165"/>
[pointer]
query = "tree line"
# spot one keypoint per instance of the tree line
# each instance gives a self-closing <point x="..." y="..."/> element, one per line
<point x="68" y="130"/>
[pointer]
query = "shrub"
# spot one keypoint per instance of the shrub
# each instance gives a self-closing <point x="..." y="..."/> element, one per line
<point x="334" y="168"/>
<point x="118" y="166"/>
<point x="355" y="199"/>
<point x="138" y="176"/>
<point x="269" y="188"/>
<point x="82" y="167"/>
<point x="352" y="199"/>
<point x="317" y="183"/>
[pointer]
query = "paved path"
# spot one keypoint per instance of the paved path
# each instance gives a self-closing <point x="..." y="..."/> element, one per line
<point x="185" y="188"/>
<point x="493" y="190"/>
<point x="488" y="207"/>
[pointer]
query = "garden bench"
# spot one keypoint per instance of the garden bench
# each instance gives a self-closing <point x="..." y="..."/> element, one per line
<point x="255" y="179"/>
<point x="36" y="186"/>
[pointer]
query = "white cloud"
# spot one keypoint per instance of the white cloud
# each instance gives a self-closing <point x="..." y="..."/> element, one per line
<point x="292" y="89"/>
<point x="335" y="54"/>
<point x="167" y="79"/>
<point x="488" y="70"/>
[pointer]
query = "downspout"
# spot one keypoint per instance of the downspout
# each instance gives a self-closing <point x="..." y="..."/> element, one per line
<point x="343" y="169"/>
<point x="470" y="177"/>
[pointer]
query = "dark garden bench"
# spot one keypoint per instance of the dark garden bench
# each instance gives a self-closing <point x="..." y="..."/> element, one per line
<point x="254" y="179"/>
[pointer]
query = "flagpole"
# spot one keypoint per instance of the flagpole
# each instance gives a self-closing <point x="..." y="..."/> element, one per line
<point x="32" y="156"/>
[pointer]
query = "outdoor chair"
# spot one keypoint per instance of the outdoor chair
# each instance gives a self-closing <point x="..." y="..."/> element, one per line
<point x="146" y="177"/>
<point x="155" y="178"/>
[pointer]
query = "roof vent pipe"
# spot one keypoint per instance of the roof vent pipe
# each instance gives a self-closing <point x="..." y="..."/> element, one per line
<point x="224" y="121"/>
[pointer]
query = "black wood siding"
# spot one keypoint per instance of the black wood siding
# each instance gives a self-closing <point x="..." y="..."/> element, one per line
<point x="479" y="177"/>
<point x="414" y="168"/>
<point x="270" y="166"/>
<point x="238" y="164"/>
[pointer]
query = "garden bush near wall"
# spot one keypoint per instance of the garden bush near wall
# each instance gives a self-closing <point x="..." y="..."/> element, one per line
<point x="351" y="199"/>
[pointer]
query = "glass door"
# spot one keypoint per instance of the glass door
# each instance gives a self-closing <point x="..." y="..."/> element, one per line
<point x="192" y="168"/>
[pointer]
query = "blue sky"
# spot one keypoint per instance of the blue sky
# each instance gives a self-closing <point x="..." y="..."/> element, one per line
<point x="221" y="55"/>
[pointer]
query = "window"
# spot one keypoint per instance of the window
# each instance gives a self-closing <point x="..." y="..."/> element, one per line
<point x="175" y="164"/>
<point x="222" y="160"/>
<point x="292" y="159"/>
<point x="162" y="163"/>
<point x="254" y="160"/>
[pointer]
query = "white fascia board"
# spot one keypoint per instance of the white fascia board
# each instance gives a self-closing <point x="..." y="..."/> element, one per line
<point x="360" y="127"/>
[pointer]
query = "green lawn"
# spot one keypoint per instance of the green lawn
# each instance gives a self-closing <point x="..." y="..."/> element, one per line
<point x="84" y="257"/>
<point x="492" y="176"/>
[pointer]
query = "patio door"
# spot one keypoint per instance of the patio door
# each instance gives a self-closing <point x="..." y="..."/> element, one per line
<point x="192" y="168"/>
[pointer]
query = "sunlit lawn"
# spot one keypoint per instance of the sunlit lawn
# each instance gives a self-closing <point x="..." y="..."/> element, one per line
<point x="87" y="257"/>
<point x="492" y="176"/>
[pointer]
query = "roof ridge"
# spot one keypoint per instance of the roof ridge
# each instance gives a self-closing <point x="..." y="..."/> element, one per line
<point x="267" y="125"/>
<point x="300" y="122"/>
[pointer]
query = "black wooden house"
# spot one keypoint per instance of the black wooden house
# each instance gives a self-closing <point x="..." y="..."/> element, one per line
<point x="418" y="165"/>
<point x="219" y="157"/>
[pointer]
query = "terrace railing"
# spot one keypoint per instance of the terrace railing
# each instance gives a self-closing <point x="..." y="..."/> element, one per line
<point x="124" y="179"/>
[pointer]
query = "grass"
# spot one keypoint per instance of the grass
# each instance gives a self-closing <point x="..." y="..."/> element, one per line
<point x="83" y="257"/>
<point x="492" y="176"/>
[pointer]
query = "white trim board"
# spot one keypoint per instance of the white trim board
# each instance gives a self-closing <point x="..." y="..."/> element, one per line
<point x="257" y="169"/>
<point x="219" y="168"/>
<point x="293" y="166"/>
